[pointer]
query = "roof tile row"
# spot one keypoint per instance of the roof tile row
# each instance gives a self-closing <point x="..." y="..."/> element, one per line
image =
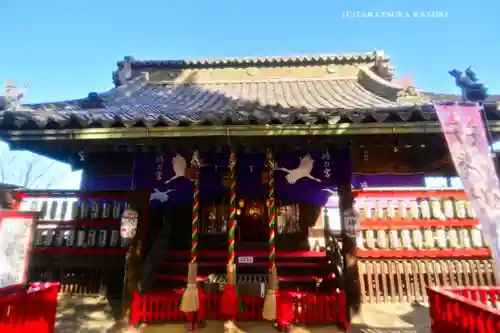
<point x="283" y="100"/>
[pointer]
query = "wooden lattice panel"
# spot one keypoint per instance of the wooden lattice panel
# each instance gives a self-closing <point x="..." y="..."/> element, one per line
<point x="404" y="281"/>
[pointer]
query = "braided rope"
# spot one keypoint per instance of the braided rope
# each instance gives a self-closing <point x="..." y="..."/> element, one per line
<point x="232" y="208"/>
<point x="271" y="211"/>
<point x="195" y="162"/>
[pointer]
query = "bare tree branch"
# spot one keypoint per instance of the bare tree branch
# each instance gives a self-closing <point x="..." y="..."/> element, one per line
<point x="29" y="170"/>
<point x="51" y="182"/>
<point x="2" y="171"/>
<point x="43" y="173"/>
<point x="4" y="166"/>
<point x="27" y="174"/>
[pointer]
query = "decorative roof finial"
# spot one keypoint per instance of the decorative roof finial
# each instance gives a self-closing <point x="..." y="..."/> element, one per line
<point x="382" y="66"/>
<point x="196" y="161"/>
<point x="408" y="87"/>
<point x="406" y="81"/>
<point x="124" y="72"/>
<point x="472" y="90"/>
<point x="11" y="100"/>
<point x="408" y="95"/>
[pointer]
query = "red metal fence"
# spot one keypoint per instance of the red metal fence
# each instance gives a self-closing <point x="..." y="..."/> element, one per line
<point x="28" y="311"/>
<point x="467" y="309"/>
<point x="308" y="308"/>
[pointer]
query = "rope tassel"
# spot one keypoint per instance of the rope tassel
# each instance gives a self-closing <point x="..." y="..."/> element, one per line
<point x="229" y="302"/>
<point x="269" y="309"/>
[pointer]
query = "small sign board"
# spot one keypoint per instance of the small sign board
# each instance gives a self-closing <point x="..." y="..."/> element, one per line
<point x="16" y="229"/>
<point x="245" y="260"/>
<point x="351" y="223"/>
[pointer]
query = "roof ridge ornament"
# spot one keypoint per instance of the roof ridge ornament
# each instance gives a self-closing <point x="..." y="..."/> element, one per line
<point x="408" y="87"/>
<point x="406" y="81"/>
<point x="11" y="100"/>
<point x="382" y="66"/>
<point x="472" y="90"/>
<point x="93" y="101"/>
<point x="124" y="72"/>
<point x="408" y="95"/>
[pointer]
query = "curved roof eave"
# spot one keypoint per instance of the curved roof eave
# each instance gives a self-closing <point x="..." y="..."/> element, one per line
<point x="364" y="98"/>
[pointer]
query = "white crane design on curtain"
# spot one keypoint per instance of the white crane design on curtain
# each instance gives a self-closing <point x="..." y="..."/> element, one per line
<point x="160" y="196"/>
<point x="302" y="171"/>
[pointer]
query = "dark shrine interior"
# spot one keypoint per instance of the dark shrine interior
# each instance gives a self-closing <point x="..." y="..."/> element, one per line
<point x="293" y="223"/>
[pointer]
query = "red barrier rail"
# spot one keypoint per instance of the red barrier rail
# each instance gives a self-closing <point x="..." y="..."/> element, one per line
<point x="32" y="310"/>
<point x="416" y="193"/>
<point x="157" y="307"/>
<point x="424" y="253"/>
<point x="467" y="309"/>
<point x="416" y="224"/>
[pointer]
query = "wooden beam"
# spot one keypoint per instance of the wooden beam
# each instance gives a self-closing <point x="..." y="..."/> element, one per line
<point x="349" y="252"/>
<point x="339" y="129"/>
<point x="408" y="153"/>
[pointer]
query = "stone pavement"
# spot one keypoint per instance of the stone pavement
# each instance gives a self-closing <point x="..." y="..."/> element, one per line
<point x="79" y="314"/>
<point x="97" y="315"/>
<point x="391" y="318"/>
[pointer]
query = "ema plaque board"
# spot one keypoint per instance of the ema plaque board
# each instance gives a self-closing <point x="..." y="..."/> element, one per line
<point x="16" y="229"/>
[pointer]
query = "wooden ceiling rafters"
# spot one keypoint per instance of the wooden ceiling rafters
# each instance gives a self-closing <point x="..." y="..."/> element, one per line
<point x="370" y="153"/>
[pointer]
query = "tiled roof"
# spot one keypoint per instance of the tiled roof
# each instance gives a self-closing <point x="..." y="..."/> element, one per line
<point x="261" y="61"/>
<point x="270" y="101"/>
<point x="358" y="92"/>
<point x="141" y="102"/>
<point x="4" y="186"/>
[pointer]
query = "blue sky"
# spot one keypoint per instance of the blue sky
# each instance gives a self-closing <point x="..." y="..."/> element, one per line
<point x="35" y="171"/>
<point x="64" y="49"/>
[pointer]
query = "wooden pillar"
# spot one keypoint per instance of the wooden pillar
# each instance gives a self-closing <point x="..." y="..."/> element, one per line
<point x="134" y="257"/>
<point x="349" y="249"/>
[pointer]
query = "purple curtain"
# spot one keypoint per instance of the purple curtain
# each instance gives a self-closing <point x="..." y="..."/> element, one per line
<point x="300" y="177"/>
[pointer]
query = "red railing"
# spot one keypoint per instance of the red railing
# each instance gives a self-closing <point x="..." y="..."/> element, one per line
<point x="308" y="308"/>
<point x="465" y="310"/>
<point x="415" y="193"/>
<point x="28" y="311"/>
